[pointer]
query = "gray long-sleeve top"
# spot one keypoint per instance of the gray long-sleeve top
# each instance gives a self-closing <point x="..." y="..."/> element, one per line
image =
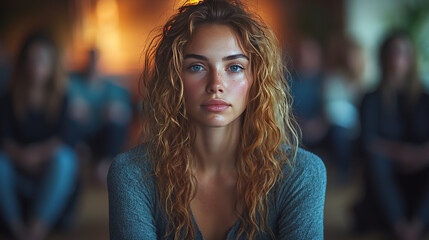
<point x="296" y="210"/>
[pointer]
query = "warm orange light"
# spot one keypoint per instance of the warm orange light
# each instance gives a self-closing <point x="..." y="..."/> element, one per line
<point x="192" y="2"/>
<point x="108" y="35"/>
<point x="120" y="29"/>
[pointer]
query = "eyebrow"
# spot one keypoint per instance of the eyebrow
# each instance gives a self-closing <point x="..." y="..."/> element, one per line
<point x="227" y="58"/>
<point x="196" y="56"/>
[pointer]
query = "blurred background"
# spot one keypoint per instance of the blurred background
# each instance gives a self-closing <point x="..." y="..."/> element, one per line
<point x="69" y="71"/>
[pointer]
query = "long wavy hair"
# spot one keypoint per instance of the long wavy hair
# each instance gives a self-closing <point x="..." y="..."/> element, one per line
<point x="55" y="85"/>
<point x="269" y="136"/>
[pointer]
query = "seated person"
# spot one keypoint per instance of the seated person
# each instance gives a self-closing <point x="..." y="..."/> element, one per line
<point x="37" y="163"/>
<point x="102" y="110"/>
<point x="395" y="135"/>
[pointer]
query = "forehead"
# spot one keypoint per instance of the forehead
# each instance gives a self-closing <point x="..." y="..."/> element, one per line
<point x="214" y="39"/>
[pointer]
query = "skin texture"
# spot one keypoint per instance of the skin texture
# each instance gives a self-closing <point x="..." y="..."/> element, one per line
<point x="215" y="77"/>
<point x="215" y="68"/>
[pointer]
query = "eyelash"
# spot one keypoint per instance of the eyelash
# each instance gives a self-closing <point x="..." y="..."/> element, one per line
<point x="240" y="68"/>
<point x="195" y="65"/>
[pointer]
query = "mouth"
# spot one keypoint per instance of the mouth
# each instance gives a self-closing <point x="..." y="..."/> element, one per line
<point x="215" y="105"/>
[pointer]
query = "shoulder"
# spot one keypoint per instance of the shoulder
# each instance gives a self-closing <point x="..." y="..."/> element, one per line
<point x="133" y="160"/>
<point x="370" y="101"/>
<point x="114" y="89"/>
<point x="75" y="79"/>
<point x="305" y="165"/>
<point x="306" y="173"/>
<point x="133" y="211"/>
<point x="299" y="199"/>
<point x="133" y="164"/>
<point x="372" y="96"/>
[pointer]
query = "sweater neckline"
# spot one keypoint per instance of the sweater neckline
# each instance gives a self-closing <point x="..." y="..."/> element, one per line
<point x="231" y="233"/>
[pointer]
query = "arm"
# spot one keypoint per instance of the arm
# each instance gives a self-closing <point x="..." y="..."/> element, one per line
<point x="29" y="156"/>
<point x="12" y="149"/>
<point x="411" y="156"/>
<point x="42" y="151"/>
<point x="69" y="128"/>
<point x="380" y="167"/>
<point x="131" y="203"/>
<point x="301" y="200"/>
<point x="33" y="156"/>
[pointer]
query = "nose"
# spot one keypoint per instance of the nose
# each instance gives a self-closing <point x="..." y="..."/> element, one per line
<point x="215" y="83"/>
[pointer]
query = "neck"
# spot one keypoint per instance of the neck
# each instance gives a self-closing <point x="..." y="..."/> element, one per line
<point x="215" y="148"/>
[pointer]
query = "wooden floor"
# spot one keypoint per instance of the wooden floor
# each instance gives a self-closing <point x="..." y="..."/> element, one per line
<point x="92" y="221"/>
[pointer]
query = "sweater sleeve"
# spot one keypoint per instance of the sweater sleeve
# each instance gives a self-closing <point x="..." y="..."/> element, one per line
<point x="301" y="199"/>
<point x="131" y="200"/>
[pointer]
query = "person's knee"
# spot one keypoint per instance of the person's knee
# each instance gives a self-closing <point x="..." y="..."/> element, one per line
<point x="5" y="163"/>
<point x="65" y="160"/>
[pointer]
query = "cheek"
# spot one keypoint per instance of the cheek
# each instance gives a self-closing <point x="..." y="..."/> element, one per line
<point x="191" y="89"/>
<point x="241" y="90"/>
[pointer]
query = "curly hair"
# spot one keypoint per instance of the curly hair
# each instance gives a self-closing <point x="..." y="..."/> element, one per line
<point x="269" y="136"/>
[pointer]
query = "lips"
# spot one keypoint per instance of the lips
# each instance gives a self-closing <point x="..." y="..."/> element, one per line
<point x="215" y="105"/>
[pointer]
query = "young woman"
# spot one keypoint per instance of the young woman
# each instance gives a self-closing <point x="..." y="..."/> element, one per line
<point x="38" y="167"/>
<point x="220" y="157"/>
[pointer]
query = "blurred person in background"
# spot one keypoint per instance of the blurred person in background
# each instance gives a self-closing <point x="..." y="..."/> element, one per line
<point x="307" y="92"/>
<point x="395" y="135"/>
<point x="343" y="91"/>
<point x="102" y="109"/>
<point x="38" y="168"/>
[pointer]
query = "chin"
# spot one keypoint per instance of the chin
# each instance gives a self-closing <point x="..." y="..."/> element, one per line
<point x="219" y="125"/>
<point x="216" y="122"/>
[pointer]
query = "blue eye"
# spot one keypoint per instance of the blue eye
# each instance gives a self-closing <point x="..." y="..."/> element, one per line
<point x="235" y="68"/>
<point x="196" y="68"/>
